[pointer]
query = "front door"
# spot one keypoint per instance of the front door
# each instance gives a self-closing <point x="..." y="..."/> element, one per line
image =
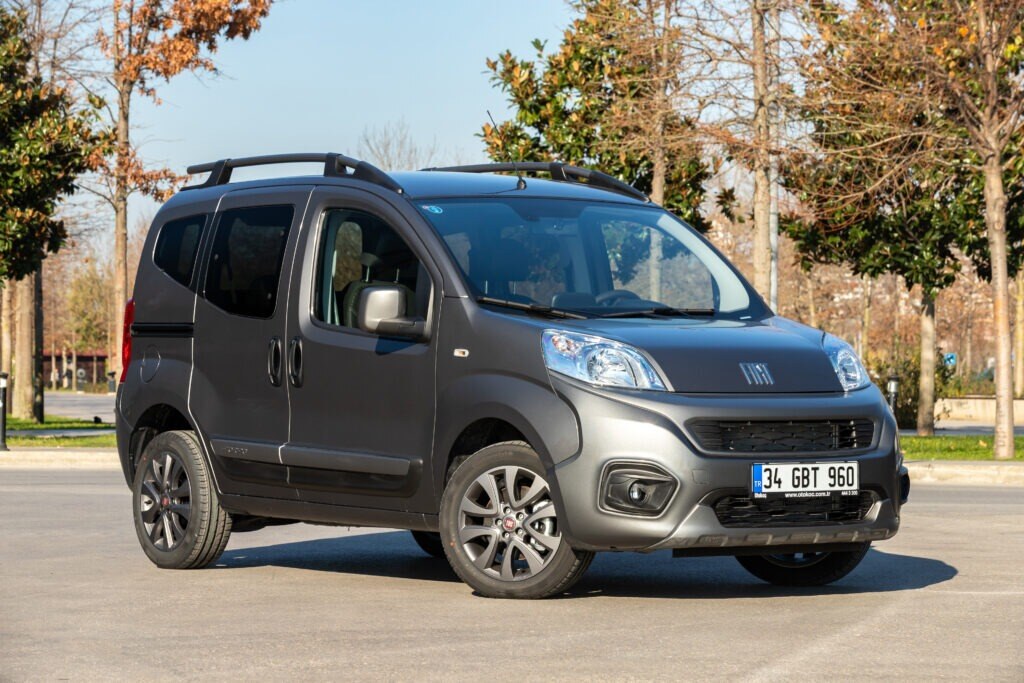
<point x="239" y="396"/>
<point x="362" y="405"/>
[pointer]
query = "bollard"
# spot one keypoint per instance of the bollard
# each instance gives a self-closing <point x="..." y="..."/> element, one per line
<point x="893" y="386"/>
<point x="3" y="411"/>
<point x="111" y="385"/>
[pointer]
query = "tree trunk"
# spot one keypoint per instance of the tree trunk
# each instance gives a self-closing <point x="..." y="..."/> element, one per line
<point x="995" y="223"/>
<point x="762" y="155"/>
<point x="1018" y="338"/>
<point x="21" y="400"/>
<point x="865" y="320"/>
<point x="926" y="383"/>
<point x="38" y="380"/>
<point x="120" y="219"/>
<point x="812" y="308"/>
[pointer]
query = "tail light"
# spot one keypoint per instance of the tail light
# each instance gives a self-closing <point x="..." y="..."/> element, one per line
<point x="126" y="337"/>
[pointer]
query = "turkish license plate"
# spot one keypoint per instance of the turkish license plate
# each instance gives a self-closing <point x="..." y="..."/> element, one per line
<point x="805" y="480"/>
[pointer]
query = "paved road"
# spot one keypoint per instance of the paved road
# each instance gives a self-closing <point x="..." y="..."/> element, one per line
<point x="84" y="406"/>
<point x="78" y="600"/>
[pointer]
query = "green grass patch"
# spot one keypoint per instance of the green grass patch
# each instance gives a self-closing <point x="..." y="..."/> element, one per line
<point x="93" y="441"/>
<point x="958" y="447"/>
<point x="52" y="422"/>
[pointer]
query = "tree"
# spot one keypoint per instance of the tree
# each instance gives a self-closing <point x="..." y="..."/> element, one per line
<point x="961" y="61"/>
<point x="604" y="99"/>
<point x="45" y="144"/>
<point x="149" y="40"/>
<point x="392" y="148"/>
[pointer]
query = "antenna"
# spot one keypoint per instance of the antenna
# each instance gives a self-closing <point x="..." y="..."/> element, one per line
<point x="521" y="184"/>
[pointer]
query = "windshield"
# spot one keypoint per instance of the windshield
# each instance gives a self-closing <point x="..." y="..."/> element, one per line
<point x="591" y="257"/>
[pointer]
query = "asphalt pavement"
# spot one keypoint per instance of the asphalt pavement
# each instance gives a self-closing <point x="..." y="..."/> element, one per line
<point x="82" y="406"/>
<point x="79" y="600"/>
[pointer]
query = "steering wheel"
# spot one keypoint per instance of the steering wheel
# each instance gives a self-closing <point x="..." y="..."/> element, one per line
<point x="611" y="297"/>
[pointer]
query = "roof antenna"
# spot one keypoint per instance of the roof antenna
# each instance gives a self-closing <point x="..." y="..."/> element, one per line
<point x="521" y="184"/>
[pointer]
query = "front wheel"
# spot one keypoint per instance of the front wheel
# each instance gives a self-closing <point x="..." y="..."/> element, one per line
<point x="501" y="530"/>
<point x="803" y="569"/>
<point x="178" y="517"/>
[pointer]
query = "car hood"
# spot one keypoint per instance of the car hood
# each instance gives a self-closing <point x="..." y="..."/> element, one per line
<point x="705" y="356"/>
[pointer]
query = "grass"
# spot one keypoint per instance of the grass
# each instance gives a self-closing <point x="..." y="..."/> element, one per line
<point x="93" y="441"/>
<point x="52" y="422"/>
<point x="86" y="440"/>
<point x="953" y="447"/>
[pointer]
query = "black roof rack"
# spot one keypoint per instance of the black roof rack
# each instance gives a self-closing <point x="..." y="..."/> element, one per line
<point x="334" y="166"/>
<point x="557" y="170"/>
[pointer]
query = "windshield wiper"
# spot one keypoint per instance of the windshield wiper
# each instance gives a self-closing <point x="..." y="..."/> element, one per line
<point x="531" y="308"/>
<point x="660" y="311"/>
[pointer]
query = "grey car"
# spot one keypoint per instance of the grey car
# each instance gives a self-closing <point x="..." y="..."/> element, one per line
<point x="521" y="371"/>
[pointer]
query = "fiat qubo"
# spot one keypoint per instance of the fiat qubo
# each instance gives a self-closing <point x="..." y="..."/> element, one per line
<point x="521" y="371"/>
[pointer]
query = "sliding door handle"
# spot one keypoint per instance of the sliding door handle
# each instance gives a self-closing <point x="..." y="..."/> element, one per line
<point x="295" y="361"/>
<point x="275" y="361"/>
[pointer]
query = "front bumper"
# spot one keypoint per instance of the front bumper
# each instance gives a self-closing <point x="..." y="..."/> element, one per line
<point x="648" y="427"/>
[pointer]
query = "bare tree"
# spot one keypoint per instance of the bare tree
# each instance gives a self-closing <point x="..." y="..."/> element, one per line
<point x="391" y="147"/>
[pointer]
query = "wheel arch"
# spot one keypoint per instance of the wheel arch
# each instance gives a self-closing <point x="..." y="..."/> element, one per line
<point x="156" y="419"/>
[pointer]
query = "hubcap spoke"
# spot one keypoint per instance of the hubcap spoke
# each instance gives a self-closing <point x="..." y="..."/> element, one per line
<point x="182" y="510"/>
<point x="468" y="533"/>
<point x="545" y="512"/>
<point x="166" y="473"/>
<point x="156" y="532"/>
<point x="533" y="560"/>
<point x="485" y="560"/>
<point x="549" y="542"/>
<point x="507" y="571"/>
<point x="165" y="518"/>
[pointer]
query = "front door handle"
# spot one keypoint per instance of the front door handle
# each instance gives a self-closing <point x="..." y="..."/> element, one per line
<point x="295" y="361"/>
<point x="275" y="361"/>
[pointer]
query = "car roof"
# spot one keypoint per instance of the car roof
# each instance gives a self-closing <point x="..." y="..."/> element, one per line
<point x="419" y="185"/>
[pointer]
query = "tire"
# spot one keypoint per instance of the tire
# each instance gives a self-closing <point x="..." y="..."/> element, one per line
<point x="502" y="545"/>
<point x="803" y="569"/>
<point x="178" y="517"/>
<point x="429" y="542"/>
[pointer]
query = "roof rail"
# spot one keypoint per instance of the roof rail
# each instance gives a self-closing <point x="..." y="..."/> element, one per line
<point x="557" y="170"/>
<point x="334" y="166"/>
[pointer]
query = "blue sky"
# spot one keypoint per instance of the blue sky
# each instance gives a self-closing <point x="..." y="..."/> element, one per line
<point x="319" y="72"/>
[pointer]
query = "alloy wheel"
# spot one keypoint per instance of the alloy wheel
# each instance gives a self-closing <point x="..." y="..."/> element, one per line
<point x="165" y="503"/>
<point x="507" y="523"/>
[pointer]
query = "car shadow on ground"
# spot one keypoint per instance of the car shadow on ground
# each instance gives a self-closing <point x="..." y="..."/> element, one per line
<point x="656" y="575"/>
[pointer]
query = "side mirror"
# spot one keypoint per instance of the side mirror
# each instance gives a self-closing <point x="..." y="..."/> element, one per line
<point x="382" y="311"/>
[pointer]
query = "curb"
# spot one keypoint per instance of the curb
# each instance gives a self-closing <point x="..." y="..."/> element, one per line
<point x="47" y="458"/>
<point x="965" y="472"/>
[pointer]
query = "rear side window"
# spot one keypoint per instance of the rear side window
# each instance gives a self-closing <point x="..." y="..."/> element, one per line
<point x="176" y="247"/>
<point x="245" y="261"/>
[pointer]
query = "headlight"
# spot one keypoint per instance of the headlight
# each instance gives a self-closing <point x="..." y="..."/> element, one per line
<point x="599" y="361"/>
<point x="851" y="372"/>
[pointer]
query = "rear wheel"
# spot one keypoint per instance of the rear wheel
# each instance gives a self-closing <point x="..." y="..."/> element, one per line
<point x="178" y="517"/>
<point x="803" y="569"/>
<point x="500" y="527"/>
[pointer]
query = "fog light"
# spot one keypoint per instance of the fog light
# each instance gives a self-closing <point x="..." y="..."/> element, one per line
<point x="637" y="493"/>
<point x="637" y="489"/>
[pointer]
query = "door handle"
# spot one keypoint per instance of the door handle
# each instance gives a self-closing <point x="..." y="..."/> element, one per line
<point x="295" y="361"/>
<point x="275" y="361"/>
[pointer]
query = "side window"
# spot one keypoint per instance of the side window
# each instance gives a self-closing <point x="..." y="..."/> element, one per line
<point x="358" y="250"/>
<point x="176" y="247"/>
<point x="245" y="261"/>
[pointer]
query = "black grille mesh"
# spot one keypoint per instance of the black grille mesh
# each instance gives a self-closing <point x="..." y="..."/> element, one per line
<point x="809" y="436"/>
<point x="744" y="511"/>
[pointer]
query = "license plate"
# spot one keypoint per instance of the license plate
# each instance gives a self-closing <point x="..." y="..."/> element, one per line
<point x="805" y="480"/>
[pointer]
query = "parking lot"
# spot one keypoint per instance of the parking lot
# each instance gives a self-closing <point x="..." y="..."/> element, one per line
<point x="79" y="600"/>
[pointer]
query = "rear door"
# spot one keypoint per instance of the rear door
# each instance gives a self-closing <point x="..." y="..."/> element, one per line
<point x="362" y="405"/>
<point x="238" y="395"/>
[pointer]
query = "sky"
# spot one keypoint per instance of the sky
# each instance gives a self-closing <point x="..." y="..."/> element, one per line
<point x="320" y="72"/>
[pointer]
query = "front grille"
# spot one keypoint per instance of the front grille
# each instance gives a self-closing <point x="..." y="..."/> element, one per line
<point x="791" y="436"/>
<point x="744" y="511"/>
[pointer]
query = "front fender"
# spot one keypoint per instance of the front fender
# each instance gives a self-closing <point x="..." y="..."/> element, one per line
<point x="549" y="423"/>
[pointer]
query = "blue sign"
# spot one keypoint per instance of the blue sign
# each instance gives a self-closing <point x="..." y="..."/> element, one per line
<point x="949" y="360"/>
